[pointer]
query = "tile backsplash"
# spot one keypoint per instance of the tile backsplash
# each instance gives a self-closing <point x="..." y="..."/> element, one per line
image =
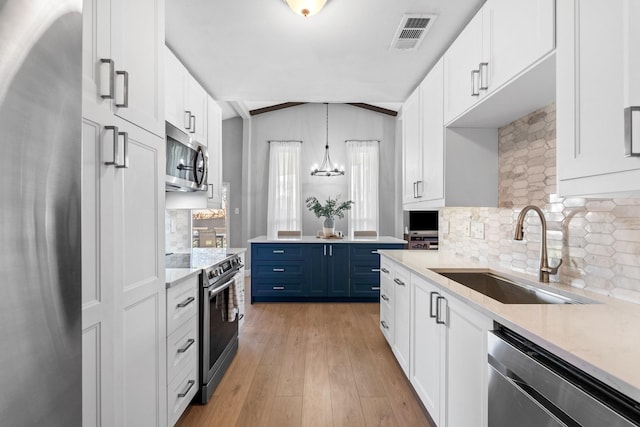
<point x="177" y="227"/>
<point x="597" y="239"/>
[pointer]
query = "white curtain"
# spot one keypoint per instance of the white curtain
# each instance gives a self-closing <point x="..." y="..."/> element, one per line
<point x="284" y="202"/>
<point x="362" y="168"/>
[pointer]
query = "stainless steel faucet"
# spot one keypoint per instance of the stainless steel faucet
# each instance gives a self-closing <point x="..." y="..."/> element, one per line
<point x="545" y="270"/>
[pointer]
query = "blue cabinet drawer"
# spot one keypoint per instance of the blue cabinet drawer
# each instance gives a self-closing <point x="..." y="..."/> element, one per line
<point x="277" y="287"/>
<point x="286" y="251"/>
<point x="277" y="268"/>
<point x="365" y="287"/>
<point x="369" y="250"/>
<point x="364" y="267"/>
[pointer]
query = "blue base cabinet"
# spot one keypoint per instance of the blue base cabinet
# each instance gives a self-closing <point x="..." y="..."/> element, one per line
<point x="316" y="271"/>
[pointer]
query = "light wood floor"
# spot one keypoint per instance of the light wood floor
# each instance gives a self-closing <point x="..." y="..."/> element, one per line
<point x="324" y="364"/>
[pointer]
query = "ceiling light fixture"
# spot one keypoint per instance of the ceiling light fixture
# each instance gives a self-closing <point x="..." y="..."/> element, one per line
<point x="306" y="7"/>
<point x="327" y="168"/>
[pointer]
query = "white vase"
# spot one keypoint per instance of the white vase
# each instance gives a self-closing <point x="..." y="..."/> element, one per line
<point x="329" y="227"/>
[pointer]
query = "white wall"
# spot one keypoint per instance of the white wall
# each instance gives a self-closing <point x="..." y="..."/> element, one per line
<point x="307" y="123"/>
<point x="232" y="173"/>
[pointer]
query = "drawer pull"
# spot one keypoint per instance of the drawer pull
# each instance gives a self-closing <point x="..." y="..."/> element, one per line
<point x="399" y="282"/>
<point x="384" y="297"/>
<point x="384" y="270"/>
<point x="375" y="288"/>
<point x="189" y="387"/>
<point x="375" y="270"/>
<point x="278" y="270"/>
<point x="190" y="342"/>
<point x="279" y="288"/>
<point x="384" y="324"/>
<point x="278" y="251"/>
<point x="374" y="252"/>
<point x="186" y="302"/>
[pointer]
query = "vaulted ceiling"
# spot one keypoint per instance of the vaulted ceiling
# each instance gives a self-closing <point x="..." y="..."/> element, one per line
<point x="258" y="53"/>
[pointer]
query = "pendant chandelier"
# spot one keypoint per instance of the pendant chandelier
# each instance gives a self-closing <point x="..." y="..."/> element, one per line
<point x="327" y="168"/>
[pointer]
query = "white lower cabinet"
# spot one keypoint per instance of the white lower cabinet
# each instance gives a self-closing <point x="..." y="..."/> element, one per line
<point x="447" y="357"/>
<point x="402" y="316"/>
<point x="428" y="343"/>
<point x="182" y="346"/>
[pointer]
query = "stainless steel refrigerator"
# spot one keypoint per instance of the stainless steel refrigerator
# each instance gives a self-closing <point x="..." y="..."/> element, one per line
<point x="40" y="254"/>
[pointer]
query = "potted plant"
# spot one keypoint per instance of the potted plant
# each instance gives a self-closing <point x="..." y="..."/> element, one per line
<point x="329" y="211"/>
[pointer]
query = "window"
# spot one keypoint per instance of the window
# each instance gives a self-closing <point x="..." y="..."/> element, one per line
<point x="284" y="202"/>
<point x="362" y="169"/>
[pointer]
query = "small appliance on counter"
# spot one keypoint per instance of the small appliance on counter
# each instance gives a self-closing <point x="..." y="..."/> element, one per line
<point x="422" y="230"/>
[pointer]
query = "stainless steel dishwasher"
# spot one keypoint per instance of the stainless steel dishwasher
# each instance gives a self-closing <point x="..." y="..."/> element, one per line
<point x="530" y="387"/>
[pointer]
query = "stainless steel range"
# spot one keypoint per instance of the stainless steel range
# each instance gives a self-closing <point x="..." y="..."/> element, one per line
<point x="218" y="316"/>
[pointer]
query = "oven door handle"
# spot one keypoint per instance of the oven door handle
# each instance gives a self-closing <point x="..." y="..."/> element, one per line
<point x="217" y="290"/>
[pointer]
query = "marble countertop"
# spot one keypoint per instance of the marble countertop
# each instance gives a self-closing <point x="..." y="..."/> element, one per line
<point x="602" y="339"/>
<point x="314" y="239"/>
<point x="200" y="258"/>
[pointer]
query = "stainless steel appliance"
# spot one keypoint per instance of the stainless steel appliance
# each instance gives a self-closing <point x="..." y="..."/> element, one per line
<point x="187" y="162"/>
<point x="218" y="330"/>
<point x="40" y="251"/>
<point x="530" y="387"/>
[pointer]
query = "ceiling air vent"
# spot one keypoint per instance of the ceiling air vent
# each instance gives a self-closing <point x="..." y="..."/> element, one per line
<point x="411" y="31"/>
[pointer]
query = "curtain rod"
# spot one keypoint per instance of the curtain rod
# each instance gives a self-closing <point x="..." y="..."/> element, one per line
<point x="361" y="140"/>
<point x="283" y="140"/>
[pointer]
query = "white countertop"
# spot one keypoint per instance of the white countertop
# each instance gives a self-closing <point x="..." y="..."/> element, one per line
<point x="601" y="339"/>
<point x="200" y="258"/>
<point x="314" y="239"/>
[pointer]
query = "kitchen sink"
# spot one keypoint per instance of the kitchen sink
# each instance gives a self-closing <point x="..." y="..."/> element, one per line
<point x="509" y="291"/>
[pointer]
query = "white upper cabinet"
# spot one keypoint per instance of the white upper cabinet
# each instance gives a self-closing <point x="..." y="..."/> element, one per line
<point x="461" y="63"/>
<point x="516" y="34"/>
<point x="504" y="38"/>
<point x="214" y="177"/>
<point x="597" y="79"/>
<point x="122" y="60"/>
<point x="411" y="149"/>
<point x="175" y="91"/>
<point x="186" y="101"/>
<point x="197" y="99"/>
<point x="137" y="48"/>
<point x="445" y="167"/>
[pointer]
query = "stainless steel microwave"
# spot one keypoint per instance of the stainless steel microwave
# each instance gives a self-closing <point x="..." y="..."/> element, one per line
<point x="187" y="162"/>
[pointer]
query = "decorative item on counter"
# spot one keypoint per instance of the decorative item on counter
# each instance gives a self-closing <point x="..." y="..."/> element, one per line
<point x="329" y="211"/>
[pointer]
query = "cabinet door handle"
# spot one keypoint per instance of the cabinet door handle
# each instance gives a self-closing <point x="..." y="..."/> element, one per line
<point x="279" y="288"/>
<point x="187" y="119"/>
<point x="384" y="324"/>
<point x="186" y="302"/>
<point x="115" y="145"/>
<point x="375" y="270"/>
<point x="275" y="251"/>
<point x="375" y="252"/>
<point x="330" y="250"/>
<point x="189" y="343"/>
<point x="126" y="151"/>
<point x="125" y="95"/>
<point x="419" y="189"/>
<point x="439" y="312"/>
<point x="375" y="288"/>
<point x="384" y="297"/>
<point x="189" y="386"/>
<point x="483" y="70"/>
<point x="112" y="70"/>
<point x="384" y="270"/>
<point x="475" y="75"/>
<point x="631" y="116"/>
<point x="325" y="250"/>
<point x="415" y="194"/>
<point x="278" y="270"/>
<point x="431" y="313"/>
<point x="399" y="282"/>
<point x="192" y="130"/>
